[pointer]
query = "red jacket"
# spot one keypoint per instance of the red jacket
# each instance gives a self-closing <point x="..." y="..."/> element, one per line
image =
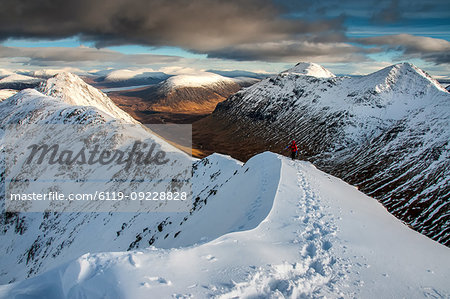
<point x="293" y="147"/>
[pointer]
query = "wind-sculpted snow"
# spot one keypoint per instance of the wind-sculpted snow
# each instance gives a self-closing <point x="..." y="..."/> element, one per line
<point x="315" y="237"/>
<point x="385" y="132"/>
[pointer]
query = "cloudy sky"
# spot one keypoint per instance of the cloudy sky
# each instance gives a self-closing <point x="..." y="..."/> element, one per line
<point x="348" y="37"/>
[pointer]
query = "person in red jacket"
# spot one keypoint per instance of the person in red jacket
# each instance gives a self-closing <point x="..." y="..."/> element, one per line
<point x="293" y="147"/>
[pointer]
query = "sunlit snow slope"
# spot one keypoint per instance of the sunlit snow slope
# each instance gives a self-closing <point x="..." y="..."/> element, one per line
<point x="312" y="236"/>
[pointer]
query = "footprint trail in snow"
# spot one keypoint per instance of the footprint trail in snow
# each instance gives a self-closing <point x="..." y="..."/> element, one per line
<point x="316" y="271"/>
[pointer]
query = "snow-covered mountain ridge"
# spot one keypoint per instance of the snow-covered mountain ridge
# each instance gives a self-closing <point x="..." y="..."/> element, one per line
<point x="386" y="132"/>
<point x="35" y="242"/>
<point x="74" y="91"/>
<point x="271" y="227"/>
<point x="302" y="234"/>
<point x="44" y="240"/>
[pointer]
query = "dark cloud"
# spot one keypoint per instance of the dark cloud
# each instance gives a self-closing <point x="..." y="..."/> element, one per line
<point x="55" y="55"/>
<point x="429" y="49"/>
<point x="291" y="51"/>
<point x="197" y="25"/>
<point x="266" y="30"/>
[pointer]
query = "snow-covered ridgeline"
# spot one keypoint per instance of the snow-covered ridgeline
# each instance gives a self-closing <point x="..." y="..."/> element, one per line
<point x="313" y="236"/>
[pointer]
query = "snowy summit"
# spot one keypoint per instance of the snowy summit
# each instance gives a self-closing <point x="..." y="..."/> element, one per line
<point x="309" y="69"/>
<point x="74" y="91"/>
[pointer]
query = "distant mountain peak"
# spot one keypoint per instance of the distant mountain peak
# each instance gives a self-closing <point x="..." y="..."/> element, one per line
<point x="60" y="80"/>
<point x="18" y="78"/>
<point x="405" y="68"/>
<point x="310" y="69"/>
<point x="17" y="81"/>
<point x="74" y="91"/>
<point x="404" y="75"/>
